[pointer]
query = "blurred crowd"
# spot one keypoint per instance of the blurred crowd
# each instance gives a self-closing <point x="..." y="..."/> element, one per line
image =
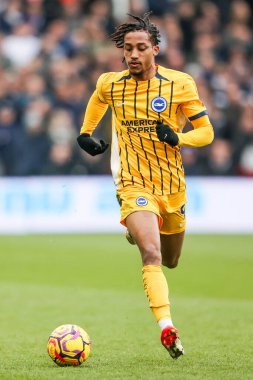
<point x="52" y="52"/>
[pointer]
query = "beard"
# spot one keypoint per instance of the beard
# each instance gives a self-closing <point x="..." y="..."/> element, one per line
<point x="136" y="70"/>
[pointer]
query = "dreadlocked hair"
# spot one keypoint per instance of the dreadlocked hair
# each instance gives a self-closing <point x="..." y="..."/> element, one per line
<point x="141" y="24"/>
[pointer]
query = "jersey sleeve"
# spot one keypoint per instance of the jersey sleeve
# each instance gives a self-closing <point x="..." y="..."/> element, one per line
<point x="196" y="112"/>
<point x="197" y="137"/>
<point x="191" y="106"/>
<point x="99" y="87"/>
<point x="95" y="110"/>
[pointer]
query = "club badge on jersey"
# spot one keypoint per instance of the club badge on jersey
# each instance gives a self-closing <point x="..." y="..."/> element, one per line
<point x="159" y="104"/>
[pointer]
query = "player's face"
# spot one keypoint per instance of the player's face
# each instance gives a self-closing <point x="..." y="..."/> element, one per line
<point x="140" y="54"/>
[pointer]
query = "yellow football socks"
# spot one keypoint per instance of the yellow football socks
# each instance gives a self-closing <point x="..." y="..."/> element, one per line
<point x="156" y="288"/>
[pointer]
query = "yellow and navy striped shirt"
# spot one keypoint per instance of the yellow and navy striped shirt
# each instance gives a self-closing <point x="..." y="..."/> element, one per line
<point x="138" y="158"/>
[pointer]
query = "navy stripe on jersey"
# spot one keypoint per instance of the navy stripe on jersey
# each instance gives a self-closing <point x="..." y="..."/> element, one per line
<point x="138" y="160"/>
<point x="121" y="176"/>
<point x="161" y="171"/>
<point x="138" y="163"/>
<point x="125" y="77"/>
<point x="160" y="87"/>
<point x="150" y="170"/>
<point x="147" y="105"/>
<point x="180" y="156"/>
<point x="121" y="164"/>
<point x="135" y="94"/>
<point x="159" y="93"/>
<point x="127" y="160"/>
<point x="166" y="154"/>
<point x="143" y="180"/>
<point x="142" y="147"/>
<point x="158" y="162"/>
<point x="129" y="135"/>
<point x="200" y="114"/>
<point x="181" y="163"/>
<point x="113" y="99"/>
<point x="153" y="143"/>
<point x="177" y="170"/>
<point x="159" y="76"/>
<point x="123" y="99"/>
<point x="139" y="170"/>
<point x="171" y="96"/>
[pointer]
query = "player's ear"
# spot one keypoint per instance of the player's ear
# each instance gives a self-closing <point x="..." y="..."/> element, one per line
<point x="156" y="50"/>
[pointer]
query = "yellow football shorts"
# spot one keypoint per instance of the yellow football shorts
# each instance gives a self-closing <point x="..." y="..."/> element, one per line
<point x="170" y="208"/>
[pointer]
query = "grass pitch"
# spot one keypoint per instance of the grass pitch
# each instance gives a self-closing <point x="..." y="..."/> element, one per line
<point x="95" y="281"/>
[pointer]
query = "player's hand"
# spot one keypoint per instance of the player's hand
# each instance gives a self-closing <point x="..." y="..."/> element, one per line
<point x="89" y="145"/>
<point x="166" y="134"/>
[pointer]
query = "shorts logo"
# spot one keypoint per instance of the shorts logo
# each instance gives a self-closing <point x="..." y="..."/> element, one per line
<point x="141" y="201"/>
<point x="159" y="104"/>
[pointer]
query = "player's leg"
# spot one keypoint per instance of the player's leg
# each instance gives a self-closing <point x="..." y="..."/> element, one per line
<point x="171" y="247"/>
<point x="140" y="214"/>
<point x="172" y="237"/>
<point x="143" y="227"/>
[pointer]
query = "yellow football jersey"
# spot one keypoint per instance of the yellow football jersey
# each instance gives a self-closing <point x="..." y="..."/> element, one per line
<point x="138" y="158"/>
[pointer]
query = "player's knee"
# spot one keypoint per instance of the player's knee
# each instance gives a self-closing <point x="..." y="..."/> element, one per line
<point x="151" y="254"/>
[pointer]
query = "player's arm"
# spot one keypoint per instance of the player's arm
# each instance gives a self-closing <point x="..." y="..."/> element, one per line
<point x="202" y="133"/>
<point x="95" y="110"/>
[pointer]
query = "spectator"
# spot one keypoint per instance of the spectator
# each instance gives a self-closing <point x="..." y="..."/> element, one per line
<point x="11" y="15"/>
<point x="60" y="160"/>
<point x="35" y="16"/>
<point x="220" y="158"/>
<point x="8" y="128"/>
<point x="32" y="145"/>
<point x="192" y="166"/>
<point x="245" y="166"/>
<point x="243" y="140"/>
<point x="22" y="46"/>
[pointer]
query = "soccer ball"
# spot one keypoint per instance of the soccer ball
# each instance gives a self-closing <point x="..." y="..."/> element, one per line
<point x="69" y="345"/>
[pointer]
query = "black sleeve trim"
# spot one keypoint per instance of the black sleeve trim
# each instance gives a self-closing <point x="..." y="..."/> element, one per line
<point x="200" y="114"/>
